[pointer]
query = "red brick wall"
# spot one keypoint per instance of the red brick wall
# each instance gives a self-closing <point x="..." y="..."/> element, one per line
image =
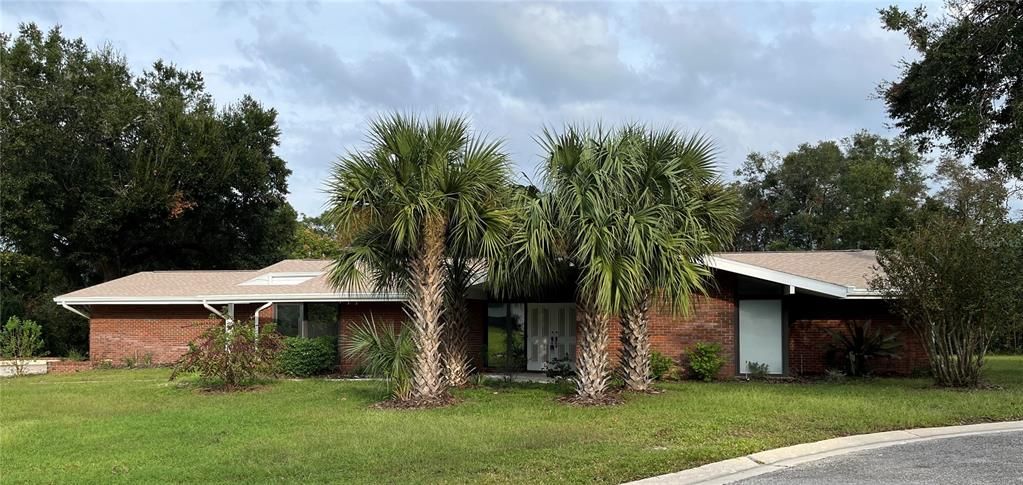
<point x="383" y="313"/>
<point x="120" y="331"/>
<point x="393" y="314"/>
<point x="67" y="366"/>
<point x="809" y="341"/>
<point x="711" y="319"/>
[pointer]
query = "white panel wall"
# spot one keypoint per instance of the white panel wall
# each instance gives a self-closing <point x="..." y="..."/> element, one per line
<point x="760" y="334"/>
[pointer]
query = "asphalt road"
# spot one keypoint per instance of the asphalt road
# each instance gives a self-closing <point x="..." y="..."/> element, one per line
<point x="995" y="458"/>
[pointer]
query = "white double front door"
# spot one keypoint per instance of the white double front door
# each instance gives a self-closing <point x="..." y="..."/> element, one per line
<point x="550" y="331"/>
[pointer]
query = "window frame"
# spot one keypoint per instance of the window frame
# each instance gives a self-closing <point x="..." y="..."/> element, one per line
<point x="301" y="316"/>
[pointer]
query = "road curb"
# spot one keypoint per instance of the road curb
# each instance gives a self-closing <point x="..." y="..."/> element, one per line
<point x="728" y="471"/>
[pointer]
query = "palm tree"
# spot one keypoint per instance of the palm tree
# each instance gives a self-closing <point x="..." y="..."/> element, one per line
<point x="575" y="227"/>
<point x="630" y="212"/>
<point x="463" y="273"/>
<point x="419" y="193"/>
<point x="679" y="213"/>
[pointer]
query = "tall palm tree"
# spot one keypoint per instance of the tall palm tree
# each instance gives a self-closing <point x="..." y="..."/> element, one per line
<point x="463" y="272"/>
<point x="680" y="212"/>
<point x="575" y="226"/>
<point x="419" y="193"/>
<point x="631" y="212"/>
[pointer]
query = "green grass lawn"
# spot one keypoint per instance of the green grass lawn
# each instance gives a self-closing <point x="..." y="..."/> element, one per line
<point x="134" y="426"/>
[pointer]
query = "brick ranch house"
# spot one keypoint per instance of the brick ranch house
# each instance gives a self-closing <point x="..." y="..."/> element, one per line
<point x="766" y="307"/>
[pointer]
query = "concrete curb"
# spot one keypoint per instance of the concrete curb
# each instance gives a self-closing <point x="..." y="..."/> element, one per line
<point x="778" y="459"/>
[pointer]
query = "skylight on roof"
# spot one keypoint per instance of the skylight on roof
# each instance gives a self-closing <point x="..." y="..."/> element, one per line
<point x="281" y="279"/>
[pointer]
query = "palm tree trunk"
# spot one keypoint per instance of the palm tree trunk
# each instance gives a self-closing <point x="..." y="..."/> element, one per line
<point x="457" y="365"/>
<point x="635" y="336"/>
<point x="591" y="363"/>
<point x="425" y="308"/>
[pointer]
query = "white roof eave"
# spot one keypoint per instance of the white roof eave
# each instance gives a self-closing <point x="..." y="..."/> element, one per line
<point x="780" y="277"/>
<point x="200" y="299"/>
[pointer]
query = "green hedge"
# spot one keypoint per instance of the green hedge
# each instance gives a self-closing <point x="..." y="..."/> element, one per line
<point x="303" y="357"/>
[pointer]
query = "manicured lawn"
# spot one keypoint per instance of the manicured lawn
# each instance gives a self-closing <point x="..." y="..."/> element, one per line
<point x="134" y="426"/>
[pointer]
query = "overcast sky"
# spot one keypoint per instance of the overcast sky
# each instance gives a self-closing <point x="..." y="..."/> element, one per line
<point x="755" y="76"/>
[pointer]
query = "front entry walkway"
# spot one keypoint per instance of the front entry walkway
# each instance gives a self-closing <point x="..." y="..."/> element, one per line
<point x="519" y="377"/>
<point x="992" y="444"/>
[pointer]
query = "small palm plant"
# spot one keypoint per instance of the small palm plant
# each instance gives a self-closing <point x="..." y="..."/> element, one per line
<point x="860" y="342"/>
<point x="384" y="352"/>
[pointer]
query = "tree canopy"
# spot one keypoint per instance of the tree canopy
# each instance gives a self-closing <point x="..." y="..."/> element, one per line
<point x="956" y="276"/>
<point x="829" y="195"/>
<point x="107" y="173"/>
<point x="965" y="91"/>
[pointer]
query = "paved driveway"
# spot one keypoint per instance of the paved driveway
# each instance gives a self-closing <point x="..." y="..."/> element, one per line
<point x="979" y="459"/>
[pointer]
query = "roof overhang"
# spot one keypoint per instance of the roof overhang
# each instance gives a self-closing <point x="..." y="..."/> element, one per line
<point x="214" y="299"/>
<point x="795" y="281"/>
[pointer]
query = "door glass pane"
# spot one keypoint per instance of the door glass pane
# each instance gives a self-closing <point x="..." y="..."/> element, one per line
<point x="506" y="345"/>
<point x="516" y="337"/>
<point x="497" y="316"/>
<point x="289" y="319"/>
<point x="321" y="320"/>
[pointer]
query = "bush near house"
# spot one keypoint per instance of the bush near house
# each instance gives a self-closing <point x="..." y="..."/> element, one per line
<point x="230" y="358"/>
<point x="660" y="365"/>
<point x="19" y="340"/>
<point x="705" y="361"/>
<point x="384" y="352"/>
<point x="859" y="343"/>
<point x="304" y="357"/>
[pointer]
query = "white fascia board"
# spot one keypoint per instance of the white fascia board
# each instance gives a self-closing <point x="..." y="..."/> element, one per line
<point x="199" y="299"/>
<point x="780" y="277"/>
<point x="858" y="294"/>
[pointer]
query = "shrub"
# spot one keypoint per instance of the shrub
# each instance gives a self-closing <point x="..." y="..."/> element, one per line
<point x="834" y="375"/>
<point x="854" y="348"/>
<point x="558" y="369"/>
<point x="138" y="361"/>
<point x="756" y="370"/>
<point x="19" y="340"/>
<point x="705" y="361"/>
<point x="231" y="358"/>
<point x="660" y="365"/>
<point x="384" y="352"/>
<point x="76" y="355"/>
<point x="304" y="357"/>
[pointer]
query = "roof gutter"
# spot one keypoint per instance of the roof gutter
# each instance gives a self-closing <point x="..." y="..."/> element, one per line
<point x="254" y="298"/>
<point x="227" y="320"/>
<point x="73" y="309"/>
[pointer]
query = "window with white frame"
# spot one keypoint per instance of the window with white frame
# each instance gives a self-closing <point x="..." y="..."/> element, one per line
<point x="309" y="320"/>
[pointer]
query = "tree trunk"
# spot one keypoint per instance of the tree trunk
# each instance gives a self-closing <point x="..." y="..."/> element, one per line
<point x="425" y="307"/>
<point x="591" y="363"/>
<point x="635" y="356"/>
<point x="457" y="365"/>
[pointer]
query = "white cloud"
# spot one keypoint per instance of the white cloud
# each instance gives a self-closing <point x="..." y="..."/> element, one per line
<point x="754" y="76"/>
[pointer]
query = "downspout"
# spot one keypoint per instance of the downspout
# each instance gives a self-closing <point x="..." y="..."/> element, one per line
<point x="258" y="311"/>
<point x="227" y="320"/>
<point x="73" y="309"/>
